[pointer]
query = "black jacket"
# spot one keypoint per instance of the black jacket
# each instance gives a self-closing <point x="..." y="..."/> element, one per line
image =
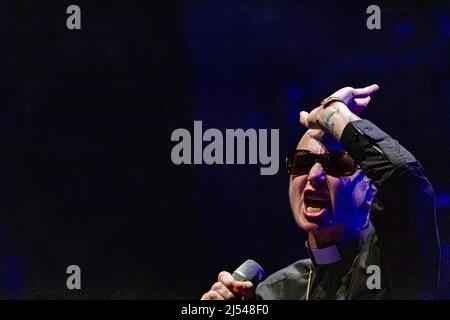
<point x="402" y="238"/>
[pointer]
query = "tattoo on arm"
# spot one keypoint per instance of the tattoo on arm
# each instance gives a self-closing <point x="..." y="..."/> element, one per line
<point x="330" y="124"/>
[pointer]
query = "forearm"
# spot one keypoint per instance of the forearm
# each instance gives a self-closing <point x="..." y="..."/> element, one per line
<point x="335" y="118"/>
<point x="403" y="211"/>
<point x="378" y="154"/>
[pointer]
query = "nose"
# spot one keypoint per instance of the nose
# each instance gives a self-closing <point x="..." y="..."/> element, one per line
<point x="316" y="175"/>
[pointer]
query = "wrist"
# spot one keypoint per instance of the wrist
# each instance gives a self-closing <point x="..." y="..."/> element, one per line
<point x="335" y="117"/>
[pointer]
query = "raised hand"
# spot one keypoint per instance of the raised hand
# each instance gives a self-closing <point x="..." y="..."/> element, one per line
<point x="333" y="117"/>
<point x="356" y="99"/>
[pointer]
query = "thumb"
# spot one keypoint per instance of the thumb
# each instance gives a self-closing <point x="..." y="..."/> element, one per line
<point x="308" y="119"/>
<point x="304" y="118"/>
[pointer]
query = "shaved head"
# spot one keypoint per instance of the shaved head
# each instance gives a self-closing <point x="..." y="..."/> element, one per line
<point x="326" y="206"/>
<point x="316" y="138"/>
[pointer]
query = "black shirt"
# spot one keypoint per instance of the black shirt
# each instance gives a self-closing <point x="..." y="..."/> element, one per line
<point x="402" y="238"/>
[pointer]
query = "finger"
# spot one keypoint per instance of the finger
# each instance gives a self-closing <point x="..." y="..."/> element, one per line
<point x="359" y="104"/>
<point x="226" y="278"/>
<point x="221" y="289"/>
<point x="362" y="102"/>
<point x="212" y="295"/>
<point x="308" y="120"/>
<point x="246" y="289"/>
<point x="364" y="92"/>
<point x="303" y="118"/>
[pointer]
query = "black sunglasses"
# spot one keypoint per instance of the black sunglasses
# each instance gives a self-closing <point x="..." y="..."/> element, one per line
<point x="334" y="163"/>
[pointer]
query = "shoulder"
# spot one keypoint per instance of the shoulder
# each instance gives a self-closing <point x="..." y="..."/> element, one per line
<point x="287" y="283"/>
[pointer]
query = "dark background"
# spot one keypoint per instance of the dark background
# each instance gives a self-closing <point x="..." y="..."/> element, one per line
<point x="86" y="118"/>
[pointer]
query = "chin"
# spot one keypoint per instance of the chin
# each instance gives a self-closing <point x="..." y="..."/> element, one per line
<point x="310" y="226"/>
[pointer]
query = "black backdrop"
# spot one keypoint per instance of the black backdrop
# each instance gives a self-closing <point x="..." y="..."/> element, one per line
<point x="86" y="118"/>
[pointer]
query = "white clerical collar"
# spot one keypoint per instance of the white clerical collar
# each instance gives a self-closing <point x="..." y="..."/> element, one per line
<point x="324" y="256"/>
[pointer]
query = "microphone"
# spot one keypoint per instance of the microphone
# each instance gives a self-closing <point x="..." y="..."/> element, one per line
<point x="249" y="271"/>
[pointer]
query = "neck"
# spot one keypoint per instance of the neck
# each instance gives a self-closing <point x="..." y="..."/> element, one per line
<point x="318" y="242"/>
<point x="327" y="238"/>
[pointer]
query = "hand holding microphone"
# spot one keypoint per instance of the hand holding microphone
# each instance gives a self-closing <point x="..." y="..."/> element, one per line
<point x="239" y="285"/>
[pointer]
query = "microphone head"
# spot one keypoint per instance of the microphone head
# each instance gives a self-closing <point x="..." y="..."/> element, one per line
<point x="249" y="271"/>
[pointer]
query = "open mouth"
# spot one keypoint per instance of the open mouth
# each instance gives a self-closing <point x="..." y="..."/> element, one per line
<point x="315" y="203"/>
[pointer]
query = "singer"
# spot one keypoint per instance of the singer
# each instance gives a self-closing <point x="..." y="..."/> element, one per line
<point x="366" y="205"/>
